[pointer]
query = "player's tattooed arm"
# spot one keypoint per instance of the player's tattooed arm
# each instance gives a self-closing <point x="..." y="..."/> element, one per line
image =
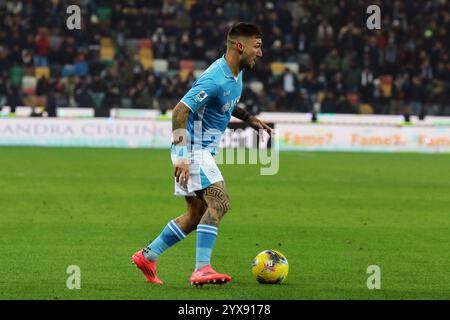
<point x="254" y="122"/>
<point x="241" y="114"/>
<point x="179" y="120"/>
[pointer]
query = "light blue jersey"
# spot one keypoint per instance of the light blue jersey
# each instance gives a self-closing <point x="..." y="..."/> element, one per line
<point x="212" y="99"/>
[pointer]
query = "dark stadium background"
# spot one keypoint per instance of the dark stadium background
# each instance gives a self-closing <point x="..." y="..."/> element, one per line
<point x="401" y="69"/>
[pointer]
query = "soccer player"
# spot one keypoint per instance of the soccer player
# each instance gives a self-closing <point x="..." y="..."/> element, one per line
<point x="198" y="121"/>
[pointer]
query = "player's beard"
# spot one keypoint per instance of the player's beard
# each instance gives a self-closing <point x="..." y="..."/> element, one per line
<point x="248" y="64"/>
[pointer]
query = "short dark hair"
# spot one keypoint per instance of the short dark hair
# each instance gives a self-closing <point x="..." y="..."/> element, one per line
<point x="244" y="29"/>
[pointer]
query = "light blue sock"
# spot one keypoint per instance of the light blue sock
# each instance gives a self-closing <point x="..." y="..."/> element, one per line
<point x="168" y="237"/>
<point x="206" y="237"/>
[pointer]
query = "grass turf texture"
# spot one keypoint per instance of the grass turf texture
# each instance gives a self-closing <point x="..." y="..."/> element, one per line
<point x="331" y="214"/>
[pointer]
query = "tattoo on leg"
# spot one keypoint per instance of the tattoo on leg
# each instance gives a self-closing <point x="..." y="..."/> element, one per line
<point x="210" y="219"/>
<point x="218" y="204"/>
<point x="216" y="197"/>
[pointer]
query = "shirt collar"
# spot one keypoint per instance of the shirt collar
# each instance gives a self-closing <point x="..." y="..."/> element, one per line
<point x="226" y="69"/>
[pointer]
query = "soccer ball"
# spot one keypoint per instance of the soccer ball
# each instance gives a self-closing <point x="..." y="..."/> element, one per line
<point x="270" y="266"/>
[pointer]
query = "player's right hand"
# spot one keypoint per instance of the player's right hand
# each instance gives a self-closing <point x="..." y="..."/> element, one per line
<point x="182" y="171"/>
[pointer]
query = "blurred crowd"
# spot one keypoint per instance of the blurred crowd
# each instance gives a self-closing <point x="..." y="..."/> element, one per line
<point x="334" y="63"/>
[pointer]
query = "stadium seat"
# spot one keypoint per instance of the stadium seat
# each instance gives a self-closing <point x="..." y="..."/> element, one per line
<point x="104" y="13"/>
<point x="145" y="53"/>
<point x="189" y="3"/>
<point x="184" y="74"/>
<point x="187" y="65"/>
<point x="365" y="108"/>
<point x="107" y="54"/>
<point x="107" y="50"/>
<point x="386" y="85"/>
<point x="29" y="85"/>
<point x="68" y="70"/>
<point x="81" y="68"/>
<point x="320" y="96"/>
<point x="145" y="44"/>
<point x="160" y="65"/>
<point x="277" y="68"/>
<point x="256" y="86"/>
<point x="40" y="72"/>
<point x="106" y="42"/>
<point x="146" y="58"/>
<point x="16" y="73"/>
<point x="293" y="66"/>
<point x="40" y="61"/>
<point x="198" y="72"/>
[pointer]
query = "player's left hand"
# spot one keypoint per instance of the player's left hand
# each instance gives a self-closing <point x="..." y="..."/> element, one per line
<point x="257" y="124"/>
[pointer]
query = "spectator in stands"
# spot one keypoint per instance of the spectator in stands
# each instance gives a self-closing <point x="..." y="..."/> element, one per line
<point x="43" y="86"/>
<point x="51" y="104"/>
<point x="290" y="88"/>
<point x="13" y="96"/>
<point x="42" y="44"/>
<point x="415" y="94"/>
<point x="332" y="62"/>
<point x="366" y="86"/>
<point x="83" y="96"/>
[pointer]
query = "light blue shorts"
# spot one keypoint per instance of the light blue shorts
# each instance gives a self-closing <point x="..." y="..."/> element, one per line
<point x="203" y="172"/>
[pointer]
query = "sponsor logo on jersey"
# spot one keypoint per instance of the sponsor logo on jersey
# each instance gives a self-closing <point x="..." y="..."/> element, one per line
<point x="230" y="104"/>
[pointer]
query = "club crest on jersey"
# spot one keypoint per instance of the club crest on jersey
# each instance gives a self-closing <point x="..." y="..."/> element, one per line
<point x="200" y="96"/>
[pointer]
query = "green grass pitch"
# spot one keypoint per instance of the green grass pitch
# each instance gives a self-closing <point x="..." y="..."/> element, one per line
<point x="331" y="214"/>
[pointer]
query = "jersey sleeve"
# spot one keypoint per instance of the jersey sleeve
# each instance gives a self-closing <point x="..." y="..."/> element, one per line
<point x="203" y="90"/>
